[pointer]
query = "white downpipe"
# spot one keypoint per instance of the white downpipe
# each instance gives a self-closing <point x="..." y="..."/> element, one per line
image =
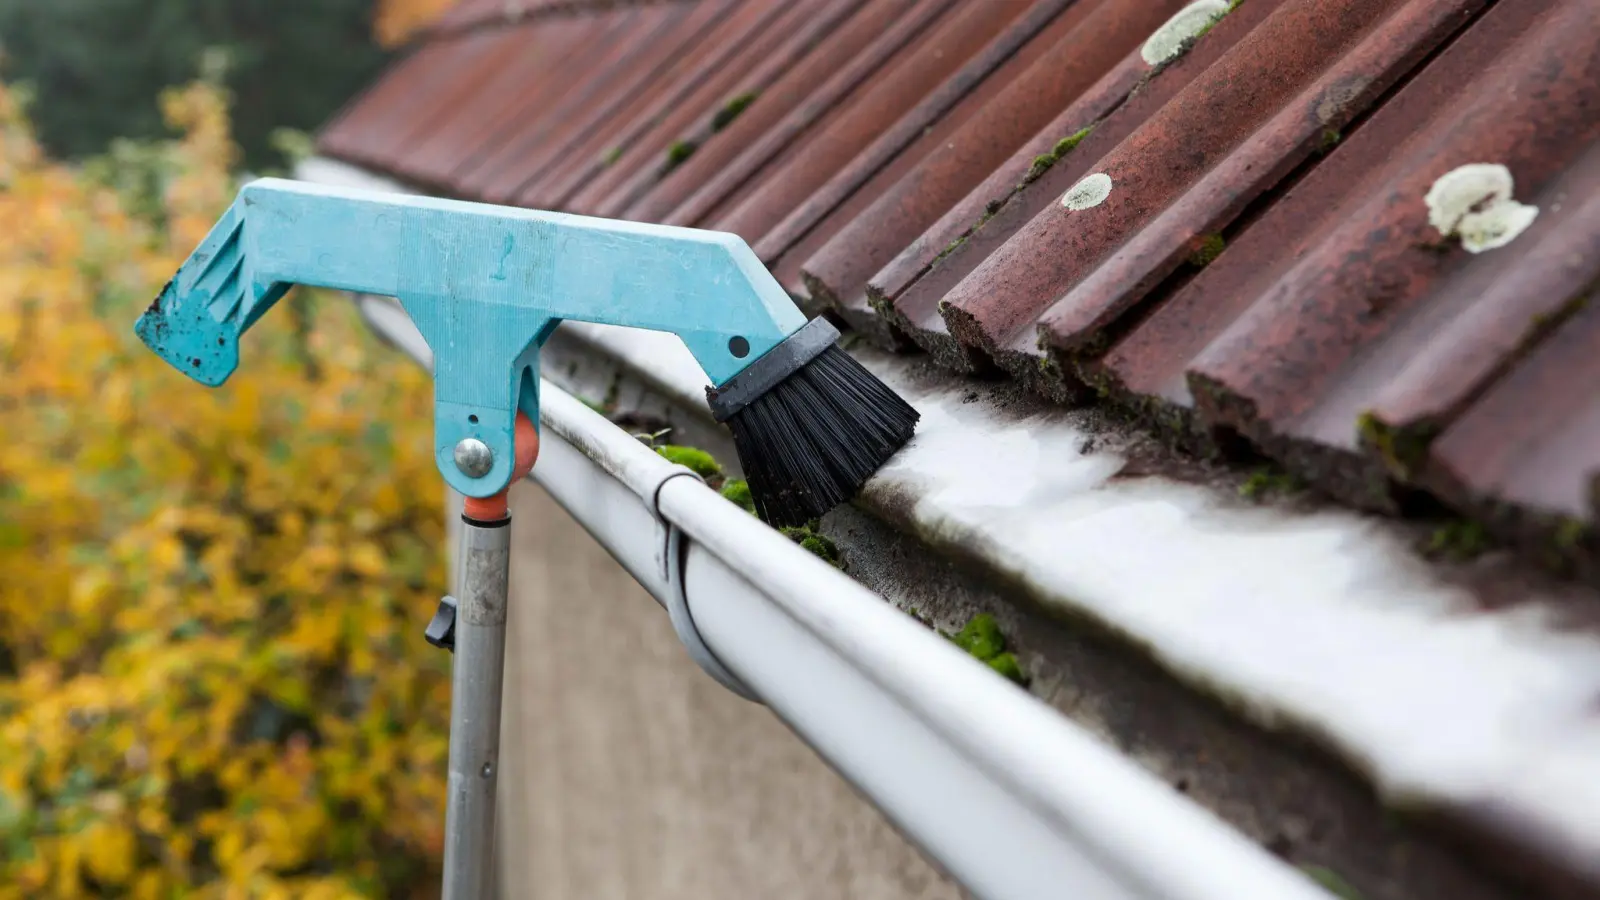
<point x="1014" y="800"/>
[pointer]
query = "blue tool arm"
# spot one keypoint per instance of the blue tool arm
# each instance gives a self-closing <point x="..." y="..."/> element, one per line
<point x="486" y="285"/>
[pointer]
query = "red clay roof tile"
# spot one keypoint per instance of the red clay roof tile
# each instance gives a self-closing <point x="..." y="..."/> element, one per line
<point x="1248" y="220"/>
<point x="918" y="305"/>
<point x="463" y="130"/>
<point x="702" y="55"/>
<point x="729" y="90"/>
<point x="1525" y="104"/>
<point x="807" y="124"/>
<point x="787" y="201"/>
<point x="1085" y="42"/>
<point x="789" y="106"/>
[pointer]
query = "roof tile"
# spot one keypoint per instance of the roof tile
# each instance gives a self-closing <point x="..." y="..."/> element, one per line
<point x="987" y="70"/>
<point x="1241" y="125"/>
<point x="728" y="186"/>
<point x="1087" y="42"/>
<point x="792" y="195"/>
<point x="535" y="73"/>
<point x="1243" y="234"/>
<point x="1531" y="109"/>
<point x="786" y="108"/>
<point x="1528" y="452"/>
<point x="704" y="54"/>
<point x="785" y="42"/>
<point x="918" y="305"/>
<point x="636" y="58"/>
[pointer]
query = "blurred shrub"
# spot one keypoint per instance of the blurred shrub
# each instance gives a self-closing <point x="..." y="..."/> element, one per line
<point x="213" y="681"/>
<point x="396" y="21"/>
<point x="98" y="64"/>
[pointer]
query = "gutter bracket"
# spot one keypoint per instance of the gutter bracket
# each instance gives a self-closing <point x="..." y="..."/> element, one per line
<point x="671" y="552"/>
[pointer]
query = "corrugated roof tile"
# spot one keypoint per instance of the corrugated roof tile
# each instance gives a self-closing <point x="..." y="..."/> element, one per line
<point x="1188" y="172"/>
<point x="1528" y="452"/>
<point x="1483" y="318"/>
<point x="702" y="55"/>
<point x="1235" y="238"/>
<point x="728" y="93"/>
<point x="787" y="201"/>
<point x="453" y="138"/>
<point x="357" y="133"/>
<point x="786" y="108"/>
<point x="936" y="111"/>
<point x="1526" y="104"/>
<point x="1088" y="40"/>
<point x="652" y="43"/>
<point x="731" y="184"/>
<point x="918" y="306"/>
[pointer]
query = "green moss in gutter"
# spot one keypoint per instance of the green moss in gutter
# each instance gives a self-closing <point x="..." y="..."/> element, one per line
<point x="731" y="110"/>
<point x="981" y="637"/>
<point x="1330" y="139"/>
<point x="982" y="640"/>
<point x="696" y="460"/>
<point x="1006" y="664"/>
<point x="1270" y="480"/>
<point x="816" y="544"/>
<point x="821" y="547"/>
<point x="1459" y="540"/>
<point x="737" y="492"/>
<point x="1211" y="247"/>
<point x="1332" y="882"/>
<point x="610" y="157"/>
<point x="678" y="153"/>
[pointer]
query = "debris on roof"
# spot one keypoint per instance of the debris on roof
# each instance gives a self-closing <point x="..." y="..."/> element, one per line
<point x="1362" y="235"/>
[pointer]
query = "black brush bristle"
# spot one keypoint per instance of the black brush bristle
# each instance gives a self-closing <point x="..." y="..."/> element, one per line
<point x="811" y="441"/>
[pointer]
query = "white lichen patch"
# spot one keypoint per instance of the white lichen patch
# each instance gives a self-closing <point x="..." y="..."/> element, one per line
<point x="1474" y="203"/>
<point x="1091" y="191"/>
<point x="1186" y="23"/>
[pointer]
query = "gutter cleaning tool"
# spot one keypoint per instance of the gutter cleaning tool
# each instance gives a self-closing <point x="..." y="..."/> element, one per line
<point x="486" y="286"/>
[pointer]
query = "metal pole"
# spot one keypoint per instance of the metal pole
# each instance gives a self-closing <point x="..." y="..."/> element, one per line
<point x="476" y="682"/>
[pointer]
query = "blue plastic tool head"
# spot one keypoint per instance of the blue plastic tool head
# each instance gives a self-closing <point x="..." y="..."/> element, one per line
<point x="485" y="285"/>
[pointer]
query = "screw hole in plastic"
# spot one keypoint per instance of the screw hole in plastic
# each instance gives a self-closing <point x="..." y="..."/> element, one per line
<point x="739" y="347"/>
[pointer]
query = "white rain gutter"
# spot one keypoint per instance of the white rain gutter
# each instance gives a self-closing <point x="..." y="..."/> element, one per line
<point x="1012" y="799"/>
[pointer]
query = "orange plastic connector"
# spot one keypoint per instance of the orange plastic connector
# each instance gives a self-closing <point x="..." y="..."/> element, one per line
<point x="492" y="509"/>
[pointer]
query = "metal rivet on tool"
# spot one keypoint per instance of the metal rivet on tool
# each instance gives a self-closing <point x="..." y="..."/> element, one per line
<point x="474" y="458"/>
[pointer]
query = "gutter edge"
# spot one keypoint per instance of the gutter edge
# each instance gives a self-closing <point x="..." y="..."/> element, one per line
<point x="1011" y="798"/>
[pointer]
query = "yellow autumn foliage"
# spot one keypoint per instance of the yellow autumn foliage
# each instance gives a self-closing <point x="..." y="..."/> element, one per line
<point x="213" y="681"/>
<point x="396" y="21"/>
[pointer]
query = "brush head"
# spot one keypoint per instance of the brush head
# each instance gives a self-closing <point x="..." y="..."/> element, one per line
<point x="811" y="425"/>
